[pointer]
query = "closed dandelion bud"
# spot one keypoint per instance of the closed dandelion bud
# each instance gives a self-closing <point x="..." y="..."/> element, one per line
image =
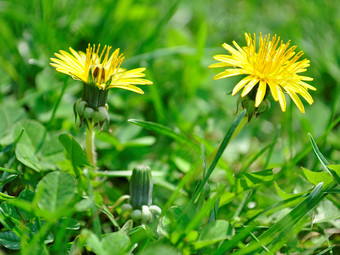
<point x="141" y="186"/>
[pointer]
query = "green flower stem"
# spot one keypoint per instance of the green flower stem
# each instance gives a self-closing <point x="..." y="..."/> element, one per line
<point x="89" y="145"/>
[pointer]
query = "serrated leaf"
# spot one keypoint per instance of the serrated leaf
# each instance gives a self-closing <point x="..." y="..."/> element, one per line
<point x="212" y="233"/>
<point x="253" y="179"/>
<point x="55" y="191"/>
<point x="317" y="177"/>
<point x="74" y="152"/>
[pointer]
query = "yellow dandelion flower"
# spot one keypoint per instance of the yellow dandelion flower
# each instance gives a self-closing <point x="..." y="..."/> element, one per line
<point x="271" y="64"/>
<point x="99" y="68"/>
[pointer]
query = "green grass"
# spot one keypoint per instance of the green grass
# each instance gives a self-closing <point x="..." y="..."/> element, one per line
<point x="257" y="192"/>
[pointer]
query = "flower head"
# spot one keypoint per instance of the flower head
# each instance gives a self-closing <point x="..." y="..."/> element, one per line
<point x="99" y="68"/>
<point x="272" y="63"/>
<point x="100" y="71"/>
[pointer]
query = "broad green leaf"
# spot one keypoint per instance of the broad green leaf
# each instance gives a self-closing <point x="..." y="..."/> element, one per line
<point x="11" y="145"/>
<point x="26" y="195"/>
<point x="141" y="233"/>
<point x="84" y="205"/>
<point x="93" y="242"/>
<point x="116" y="243"/>
<point x="9" y="114"/>
<point x="317" y="177"/>
<point x="28" y="149"/>
<point x="226" y="198"/>
<point x="69" y="223"/>
<point x="3" y="122"/>
<point x="74" y="152"/>
<point x="55" y="191"/>
<point x="10" y="240"/>
<point x="212" y="233"/>
<point x="26" y="155"/>
<point x="164" y="130"/>
<point x="33" y="136"/>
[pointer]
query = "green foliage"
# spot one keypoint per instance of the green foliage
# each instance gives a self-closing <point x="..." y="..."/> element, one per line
<point x="225" y="186"/>
<point x="55" y="191"/>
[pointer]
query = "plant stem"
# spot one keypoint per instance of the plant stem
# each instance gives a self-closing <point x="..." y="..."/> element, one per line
<point x="89" y="145"/>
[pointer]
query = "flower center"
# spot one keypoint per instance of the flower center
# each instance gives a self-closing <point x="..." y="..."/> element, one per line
<point x="99" y="75"/>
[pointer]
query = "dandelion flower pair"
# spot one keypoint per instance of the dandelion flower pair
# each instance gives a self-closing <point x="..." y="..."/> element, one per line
<point x="271" y="64"/>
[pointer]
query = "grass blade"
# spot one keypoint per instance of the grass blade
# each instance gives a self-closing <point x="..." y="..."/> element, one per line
<point x="219" y="153"/>
<point x="284" y="226"/>
<point x="324" y="161"/>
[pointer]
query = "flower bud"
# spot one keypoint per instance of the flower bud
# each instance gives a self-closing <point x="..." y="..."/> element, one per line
<point x="141" y="186"/>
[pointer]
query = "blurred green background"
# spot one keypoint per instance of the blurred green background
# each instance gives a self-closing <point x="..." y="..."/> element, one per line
<point x="175" y="41"/>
